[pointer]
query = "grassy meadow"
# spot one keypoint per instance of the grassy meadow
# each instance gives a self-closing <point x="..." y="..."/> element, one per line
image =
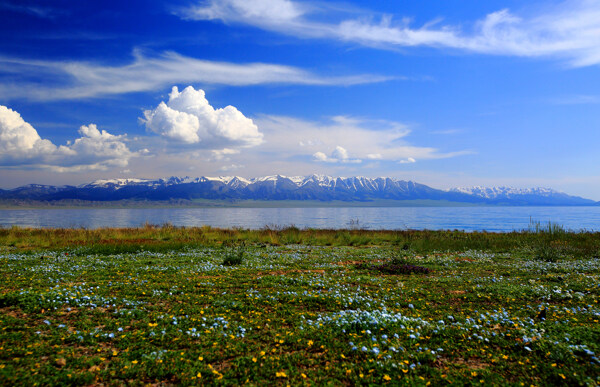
<point x="191" y="306"/>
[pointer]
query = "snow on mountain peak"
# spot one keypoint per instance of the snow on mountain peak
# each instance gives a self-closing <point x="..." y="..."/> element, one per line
<point x="504" y="191"/>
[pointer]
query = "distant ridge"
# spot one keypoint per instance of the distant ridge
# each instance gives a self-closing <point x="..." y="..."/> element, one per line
<point x="278" y="188"/>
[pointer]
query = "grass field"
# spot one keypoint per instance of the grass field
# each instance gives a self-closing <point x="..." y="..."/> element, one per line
<point x="298" y="307"/>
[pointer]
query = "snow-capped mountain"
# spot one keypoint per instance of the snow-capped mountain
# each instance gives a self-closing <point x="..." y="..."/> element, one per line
<point x="277" y="187"/>
<point x="519" y="196"/>
<point x="495" y="192"/>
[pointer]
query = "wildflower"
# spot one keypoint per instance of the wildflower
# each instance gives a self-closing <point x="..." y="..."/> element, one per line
<point x="386" y="378"/>
<point x="280" y="374"/>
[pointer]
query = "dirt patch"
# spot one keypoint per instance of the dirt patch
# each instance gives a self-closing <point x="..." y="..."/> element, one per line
<point x="346" y="263"/>
<point x="464" y="260"/>
<point x="471" y="363"/>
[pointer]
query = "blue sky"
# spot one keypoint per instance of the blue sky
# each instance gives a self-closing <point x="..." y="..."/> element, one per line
<point x="446" y="93"/>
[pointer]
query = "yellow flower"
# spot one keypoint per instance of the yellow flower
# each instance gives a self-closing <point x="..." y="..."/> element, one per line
<point x="200" y="358"/>
<point x="199" y="375"/>
<point x="387" y="378"/>
<point x="303" y="375"/>
<point x="134" y="362"/>
<point x="280" y="374"/>
<point x="254" y="359"/>
<point x="310" y="343"/>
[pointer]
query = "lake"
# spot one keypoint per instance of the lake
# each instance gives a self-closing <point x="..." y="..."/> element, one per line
<point x="501" y="219"/>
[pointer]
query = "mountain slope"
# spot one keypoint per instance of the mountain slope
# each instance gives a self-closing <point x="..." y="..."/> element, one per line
<point x="299" y="188"/>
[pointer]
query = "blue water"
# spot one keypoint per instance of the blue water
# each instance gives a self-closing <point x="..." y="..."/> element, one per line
<point x="395" y="218"/>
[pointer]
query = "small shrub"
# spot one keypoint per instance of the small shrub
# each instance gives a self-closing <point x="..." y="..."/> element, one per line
<point x="392" y="268"/>
<point x="400" y="260"/>
<point x="234" y="258"/>
<point x="548" y="253"/>
<point x="395" y="268"/>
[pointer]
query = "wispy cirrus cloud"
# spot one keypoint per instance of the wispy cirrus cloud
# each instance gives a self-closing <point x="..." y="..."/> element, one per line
<point x="580" y="99"/>
<point x="569" y="31"/>
<point x="343" y="140"/>
<point x="38" y="11"/>
<point x="64" y="80"/>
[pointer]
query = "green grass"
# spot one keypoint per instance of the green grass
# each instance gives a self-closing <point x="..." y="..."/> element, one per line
<point x="300" y="307"/>
<point x="166" y="238"/>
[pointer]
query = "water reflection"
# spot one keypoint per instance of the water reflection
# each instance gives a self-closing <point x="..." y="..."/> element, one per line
<point x="462" y="218"/>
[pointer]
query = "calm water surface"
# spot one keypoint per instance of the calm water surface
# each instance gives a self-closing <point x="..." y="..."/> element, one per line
<point x="434" y="218"/>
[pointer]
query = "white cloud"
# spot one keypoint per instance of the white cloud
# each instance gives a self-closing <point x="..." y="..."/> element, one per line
<point x="101" y="147"/>
<point x="339" y="155"/>
<point x="343" y="140"/>
<point x="268" y="11"/>
<point x="22" y="146"/>
<point x="230" y="167"/>
<point x="569" y="30"/>
<point x="409" y="160"/>
<point x="19" y="139"/>
<point x="63" y="80"/>
<point x="189" y="118"/>
<point x="223" y="154"/>
<point x="41" y="12"/>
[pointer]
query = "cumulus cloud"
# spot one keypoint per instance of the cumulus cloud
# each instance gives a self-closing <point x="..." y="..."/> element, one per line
<point x="339" y="155"/>
<point x="569" y="30"/>
<point x="22" y="146"/>
<point x="188" y="118"/>
<point x="64" y="80"/>
<point x="18" y="139"/>
<point x="409" y="160"/>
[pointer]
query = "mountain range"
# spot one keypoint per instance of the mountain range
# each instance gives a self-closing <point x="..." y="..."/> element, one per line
<point x="279" y="188"/>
